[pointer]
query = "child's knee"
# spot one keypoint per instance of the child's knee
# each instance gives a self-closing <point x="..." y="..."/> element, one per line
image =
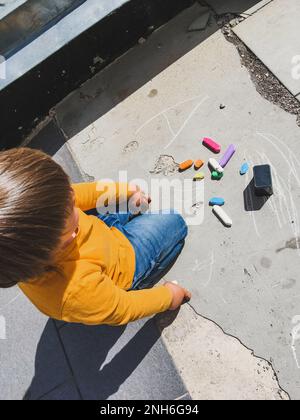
<point x="179" y="225"/>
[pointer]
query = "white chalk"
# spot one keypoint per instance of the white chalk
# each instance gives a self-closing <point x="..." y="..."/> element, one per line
<point x="220" y="213"/>
<point x="215" y="165"/>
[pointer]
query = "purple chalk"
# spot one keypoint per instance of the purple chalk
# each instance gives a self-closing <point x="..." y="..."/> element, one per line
<point x="227" y="156"/>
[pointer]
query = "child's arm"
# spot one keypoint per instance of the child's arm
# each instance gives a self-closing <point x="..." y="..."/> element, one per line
<point x="88" y="193"/>
<point x="97" y="300"/>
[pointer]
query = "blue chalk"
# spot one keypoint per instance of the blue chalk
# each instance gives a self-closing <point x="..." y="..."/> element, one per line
<point x="244" y="169"/>
<point x="216" y="201"/>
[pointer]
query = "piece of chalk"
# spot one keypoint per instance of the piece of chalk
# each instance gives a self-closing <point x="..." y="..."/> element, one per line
<point x="199" y="176"/>
<point x="186" y="165"/>
<point x="215" y="165"/>
<point x="175" y="282"/>
<point x="198" y="164"/>
<point x="227" y="155"/>
<point x="212" y="145"/>
<point x="222" y="215"/>
<point x="216" y="201"/>
<point x="244" y="168"/>
<point x="215" y="176"/>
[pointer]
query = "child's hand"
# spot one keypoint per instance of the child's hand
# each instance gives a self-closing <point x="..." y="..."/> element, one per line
<point x="180" y="295"/>
<point x="142" y="198"/>
<point x="139" y="202"/>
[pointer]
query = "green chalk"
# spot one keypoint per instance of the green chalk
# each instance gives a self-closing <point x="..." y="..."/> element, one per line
<point x="216" y="176"/>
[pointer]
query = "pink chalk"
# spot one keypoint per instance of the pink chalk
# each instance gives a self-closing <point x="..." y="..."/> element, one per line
<point x="212" y="145"/>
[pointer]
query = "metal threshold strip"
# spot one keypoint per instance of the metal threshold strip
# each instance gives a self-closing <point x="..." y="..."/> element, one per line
<point x="30" y="20"/>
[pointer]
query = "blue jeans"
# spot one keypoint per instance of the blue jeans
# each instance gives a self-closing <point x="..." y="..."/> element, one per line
<point x="157" y="240"/>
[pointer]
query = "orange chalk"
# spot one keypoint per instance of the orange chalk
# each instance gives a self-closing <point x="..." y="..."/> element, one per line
<point x="198" y="164"/>
<point x="186" y="165"/>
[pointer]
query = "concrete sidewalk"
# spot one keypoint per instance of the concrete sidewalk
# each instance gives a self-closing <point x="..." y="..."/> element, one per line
<point x="237" y="337"/>
<point x="273" y="36"/>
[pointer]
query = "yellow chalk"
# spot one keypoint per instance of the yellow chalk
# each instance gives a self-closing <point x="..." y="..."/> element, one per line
<point x="199" y="176"/>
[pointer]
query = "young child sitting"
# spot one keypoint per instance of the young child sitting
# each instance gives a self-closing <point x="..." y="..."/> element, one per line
<point x="73" y="263"/>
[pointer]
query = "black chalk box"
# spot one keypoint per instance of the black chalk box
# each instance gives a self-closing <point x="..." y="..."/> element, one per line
<point x="263" y="180"/>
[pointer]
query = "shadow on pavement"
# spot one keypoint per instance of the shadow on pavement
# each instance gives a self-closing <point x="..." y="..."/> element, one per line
<point x="86" y="351"/>
<point x="141" y="64"/>
<point x="251" y="201"/>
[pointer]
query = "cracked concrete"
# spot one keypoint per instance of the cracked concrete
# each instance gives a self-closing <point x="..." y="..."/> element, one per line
<point x="229" y="16"/>
<point x="272" y="35"/>
<point x="215" y="366"/>
<point x="165" y="165"/>
<point x="266" y="83"/>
